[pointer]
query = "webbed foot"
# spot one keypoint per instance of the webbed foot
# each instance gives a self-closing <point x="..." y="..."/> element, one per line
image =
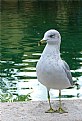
<point x="60" y="110"/>
<point x="51" y="110"/>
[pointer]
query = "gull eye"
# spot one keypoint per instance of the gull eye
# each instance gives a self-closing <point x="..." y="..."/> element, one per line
<point x="52" y="36"/>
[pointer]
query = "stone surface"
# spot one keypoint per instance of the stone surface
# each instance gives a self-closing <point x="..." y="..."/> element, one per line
<point x="35" y="111"/>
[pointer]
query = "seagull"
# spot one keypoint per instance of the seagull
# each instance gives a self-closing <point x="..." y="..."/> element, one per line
<point x="51" y="70"/>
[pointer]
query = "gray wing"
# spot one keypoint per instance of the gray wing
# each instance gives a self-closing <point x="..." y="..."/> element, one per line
<point x="68" y="72"/>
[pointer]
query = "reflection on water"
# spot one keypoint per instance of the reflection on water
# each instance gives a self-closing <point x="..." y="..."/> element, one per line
<point x="23" y="24"/>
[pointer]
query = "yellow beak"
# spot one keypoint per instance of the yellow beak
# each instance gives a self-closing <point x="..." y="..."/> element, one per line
<point x="41" y="41"/>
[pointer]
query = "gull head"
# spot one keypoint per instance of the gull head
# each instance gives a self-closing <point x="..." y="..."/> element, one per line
<point x="52" y="37"/>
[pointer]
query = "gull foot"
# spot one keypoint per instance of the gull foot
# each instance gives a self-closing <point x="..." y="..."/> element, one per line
<point x="51" y="110"/>
<point x="60" y="110"/>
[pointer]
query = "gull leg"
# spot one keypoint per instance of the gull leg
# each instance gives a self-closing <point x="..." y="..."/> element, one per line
<point x="51" y="110"/>
<point x="60" y="110"/>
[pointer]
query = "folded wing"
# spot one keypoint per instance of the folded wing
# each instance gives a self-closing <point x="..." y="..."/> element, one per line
<point x="68" y="72"/>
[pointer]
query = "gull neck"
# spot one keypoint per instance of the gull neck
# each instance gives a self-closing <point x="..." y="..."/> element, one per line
<point x="51" y="51"/>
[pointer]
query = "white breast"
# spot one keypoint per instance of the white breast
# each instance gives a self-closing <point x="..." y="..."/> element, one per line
<point x="50" y="72"/>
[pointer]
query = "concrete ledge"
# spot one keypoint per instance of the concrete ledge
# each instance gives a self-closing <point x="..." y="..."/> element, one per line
<point x="35" y="111"/>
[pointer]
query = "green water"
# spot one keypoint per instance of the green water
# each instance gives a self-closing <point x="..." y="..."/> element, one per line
<point x="23" y="24"/>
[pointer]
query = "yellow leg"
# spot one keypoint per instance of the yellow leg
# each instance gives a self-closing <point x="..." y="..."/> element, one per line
<point x="60" y="110"/>
<point x="51" y="110"/>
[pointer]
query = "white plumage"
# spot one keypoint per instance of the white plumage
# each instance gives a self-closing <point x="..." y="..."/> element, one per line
<point x="50" y="67"/>
<point x="51" y="70"/>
